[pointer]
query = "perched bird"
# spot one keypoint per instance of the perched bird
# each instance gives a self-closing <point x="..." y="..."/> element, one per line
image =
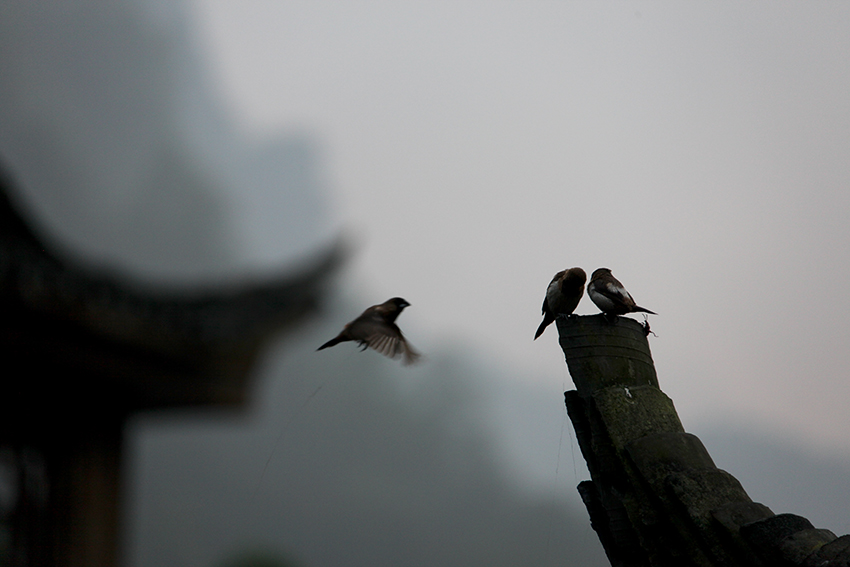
<point x="562" y="296"/>
<point x="610" y="296"/>
<point x="376" y="329"/>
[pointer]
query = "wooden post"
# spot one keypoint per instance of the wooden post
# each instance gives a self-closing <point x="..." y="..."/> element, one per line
<point x="655" y="497"/>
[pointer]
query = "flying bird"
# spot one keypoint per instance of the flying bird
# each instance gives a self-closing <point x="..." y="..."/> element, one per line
<point x="610" y="296"/>
<point x="375" y="328"/>
<point x="562" y="296"/>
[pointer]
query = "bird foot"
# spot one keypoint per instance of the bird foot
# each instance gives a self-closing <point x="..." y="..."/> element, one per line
<point x="646" y="329"/>
<point x="610" y="319"/>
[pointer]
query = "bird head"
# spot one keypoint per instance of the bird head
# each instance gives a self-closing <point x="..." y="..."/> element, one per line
<point x="599" y="272"/>
<point x="399" y="303"/>
<point x="577" y="275"/>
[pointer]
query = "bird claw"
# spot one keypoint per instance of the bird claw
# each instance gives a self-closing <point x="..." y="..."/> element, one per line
<point x="646" y="329"/>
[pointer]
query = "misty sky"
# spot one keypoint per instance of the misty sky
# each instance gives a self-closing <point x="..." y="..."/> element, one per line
<point x="699" y="150"/>
<point x="469" y="151"/>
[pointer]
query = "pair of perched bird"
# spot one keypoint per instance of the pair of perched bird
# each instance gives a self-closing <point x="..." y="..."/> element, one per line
<point x="375" y="328"/>
<point x="567" y="287"/>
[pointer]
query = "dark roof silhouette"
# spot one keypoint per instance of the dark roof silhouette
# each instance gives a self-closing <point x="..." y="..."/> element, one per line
<point x="84" y="348"/>
<point x="195" y="343"/>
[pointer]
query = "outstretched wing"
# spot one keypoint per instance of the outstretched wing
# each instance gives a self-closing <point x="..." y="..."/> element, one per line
<point x="393" y="345"/>
<point x="376" y="333"/>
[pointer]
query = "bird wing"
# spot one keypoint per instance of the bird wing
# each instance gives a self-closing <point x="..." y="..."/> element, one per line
<point x="375" y="332"/>
<point x="393" y="347"/>
<point x="545" y="309"/>
<point x="616" y="293"/>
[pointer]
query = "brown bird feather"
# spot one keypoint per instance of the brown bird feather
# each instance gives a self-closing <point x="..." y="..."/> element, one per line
<point x="610" y="296"/>
<point x="562" y="296"/>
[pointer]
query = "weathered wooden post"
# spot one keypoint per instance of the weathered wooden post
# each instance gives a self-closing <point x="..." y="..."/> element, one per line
<point x="655" y="497"/>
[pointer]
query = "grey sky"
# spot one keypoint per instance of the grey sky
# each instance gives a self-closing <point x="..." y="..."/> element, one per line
<point x="698" y="150"/>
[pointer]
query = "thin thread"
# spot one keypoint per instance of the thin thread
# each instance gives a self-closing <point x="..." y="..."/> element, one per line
<point x="280" y="436"/>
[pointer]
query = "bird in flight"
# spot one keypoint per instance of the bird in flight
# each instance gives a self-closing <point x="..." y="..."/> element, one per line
<point x="562" y="296"/>
<point x="375" y="328"/>
<point x="610" y="296"/>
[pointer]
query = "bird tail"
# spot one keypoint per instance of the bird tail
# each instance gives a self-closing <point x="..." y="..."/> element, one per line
<point x="547" y="320"/>
<point x="643" y="310"/>
<point x="334" y="341"/>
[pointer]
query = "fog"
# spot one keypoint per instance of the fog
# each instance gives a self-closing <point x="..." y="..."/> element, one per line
<point x="468" y="152"/>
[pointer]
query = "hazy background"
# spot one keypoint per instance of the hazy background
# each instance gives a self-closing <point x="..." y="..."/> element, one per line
<point x="470" y="150"/>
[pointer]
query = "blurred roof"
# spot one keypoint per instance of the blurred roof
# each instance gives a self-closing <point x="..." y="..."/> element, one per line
<point x="81" y="332"/>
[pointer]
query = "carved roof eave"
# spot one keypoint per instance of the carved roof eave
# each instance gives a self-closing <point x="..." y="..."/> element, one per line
<point x="163" y="347"/>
